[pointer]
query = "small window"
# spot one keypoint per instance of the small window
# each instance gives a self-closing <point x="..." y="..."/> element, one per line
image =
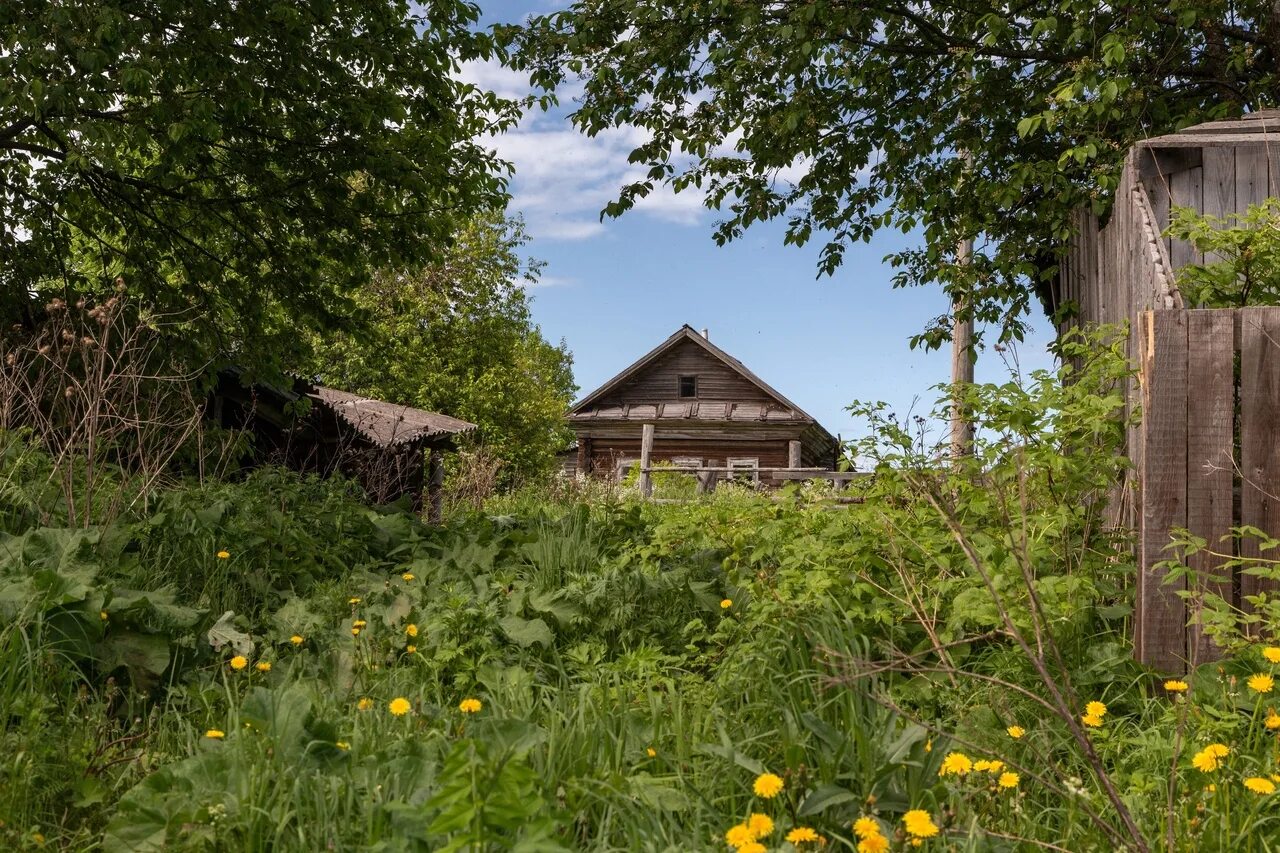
<point x="688" y="386"/>
<point x="748" y="466"/>
<point x="687" y="461"/>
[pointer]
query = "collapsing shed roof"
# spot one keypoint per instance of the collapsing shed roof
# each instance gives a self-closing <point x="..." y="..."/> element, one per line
<point x="388" y="424"/>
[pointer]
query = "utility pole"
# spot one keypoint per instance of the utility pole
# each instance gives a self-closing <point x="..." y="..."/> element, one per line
<point x="961" y="363"/>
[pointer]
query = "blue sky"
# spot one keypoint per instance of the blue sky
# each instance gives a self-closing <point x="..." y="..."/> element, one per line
<point x="614" y="289"/>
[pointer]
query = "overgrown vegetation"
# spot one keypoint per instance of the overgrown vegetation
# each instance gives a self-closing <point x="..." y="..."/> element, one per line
<point x="270" y="664"/>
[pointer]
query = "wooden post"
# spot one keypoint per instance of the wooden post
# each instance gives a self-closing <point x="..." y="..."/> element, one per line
<point x="435" y="486"/>
<point x="646" y="449"/>
<point x="961" y="363"/>
<point x="793" y="454"/>
<point x="584" y="457"/>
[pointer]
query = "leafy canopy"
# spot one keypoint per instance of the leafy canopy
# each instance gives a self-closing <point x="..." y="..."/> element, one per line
<point x="457" y="337"/>
<point x="247" y="163"/>
<point x="866" y="106"/>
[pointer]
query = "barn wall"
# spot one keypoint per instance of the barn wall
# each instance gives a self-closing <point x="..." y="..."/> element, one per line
<point x="659" y="381"/>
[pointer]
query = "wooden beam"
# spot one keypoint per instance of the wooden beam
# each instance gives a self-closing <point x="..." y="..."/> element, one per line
<point x="646" y="450"/>
<point x="793" y="454"/>
<point x="435" y="486"/>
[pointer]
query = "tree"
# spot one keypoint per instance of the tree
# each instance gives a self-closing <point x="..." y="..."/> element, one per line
<point x="457" y="337"/>
<point x="247" y="162"/>
<point x="867" y="105"/>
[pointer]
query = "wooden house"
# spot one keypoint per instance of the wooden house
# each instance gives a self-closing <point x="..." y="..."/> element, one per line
<point x="707" y="410"/>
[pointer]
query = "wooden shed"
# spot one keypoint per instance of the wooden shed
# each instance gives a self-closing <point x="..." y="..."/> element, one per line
<point x="1206" y="452"/>
<point x="706" y="410"/>
<point x="393" y="451"/>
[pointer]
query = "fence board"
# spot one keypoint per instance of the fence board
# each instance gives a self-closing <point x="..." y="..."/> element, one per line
<point x="1259" y="433"/>
<point x="1160" y="636"/>
<point x="1210" y="457"/>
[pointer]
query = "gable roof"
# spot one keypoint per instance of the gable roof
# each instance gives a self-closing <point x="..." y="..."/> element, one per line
<point x="781" y="409"/>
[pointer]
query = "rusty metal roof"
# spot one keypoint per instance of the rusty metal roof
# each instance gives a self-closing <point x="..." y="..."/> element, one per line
<point x="388" y="424"/>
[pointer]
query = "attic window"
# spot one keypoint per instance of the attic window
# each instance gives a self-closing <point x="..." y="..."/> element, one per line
<point x="688" y="386"/>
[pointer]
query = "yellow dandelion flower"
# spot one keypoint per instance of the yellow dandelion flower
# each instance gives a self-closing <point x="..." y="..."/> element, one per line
<point x="1259" y="785"/>
<point x="410" y="650"/>
<point x="1008" y="780"/>
<point x="262" y="666"/>
<point x="988" y="766"/>
<point x="726" y="603"/>
<point x="365" y="703"/>
<point x="1261" y="683"/>
<point x="1176" y="686"/>
<point x="767" y="785"/>
<point x="407" y="576"/>
<point x="928" y="745"/>
<point x="738" y="836"/>
<point x="864" y="826"/>
<point x="353" y="601"/>
<point x="955" y="764"/>
<point x="222" y="555"/>
<point x="1211" y="787"/>
<point x="102" y="614"/>
<point x="239" y="662"/>
<point x="359" y="623"/>
<point x="469" y="706"/>
<point x="917" y="842"/>
<point x="1096" y="709"/>
<point x="215" y="734"/>
<point x="1015" y="732"/>
<point x="1091" y="720"/>
<point x="1207" y="760"/>
<point x="296" y="640"/>
<point x="411" y="629"/>
<point x="760" y="825"/>
<point x="753" y="847"/>
<point x="651" y="752"/>
<point x="802" y="835"/>
<point x="355" y="632"/>
<point x="1274" y="777"/>
<point x="919" y="823"/>
<point x="873" y="844"/>
<point x="1272" y="720"/>
<point x="38" y="838"/>
<point x="342" y="745"/>
<point x="399" y="706"/>
<point x="1272" y="653"/>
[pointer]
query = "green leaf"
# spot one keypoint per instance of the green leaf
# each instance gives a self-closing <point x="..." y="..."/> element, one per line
<point x="526" y="632"/>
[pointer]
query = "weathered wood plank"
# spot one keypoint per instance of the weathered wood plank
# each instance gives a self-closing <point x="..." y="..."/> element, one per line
<point x="646" y="450"/>
<point x="1210" y="457"/>
<point x="1259" y="434"/>
<point x="1161" y="635"/>
<point x="1186" y="190"/>
<point x="1219" y="186"/>
<point x="1251" y="176"/>
<point x="793" y="454"/>
<point x="1207" y="140"/>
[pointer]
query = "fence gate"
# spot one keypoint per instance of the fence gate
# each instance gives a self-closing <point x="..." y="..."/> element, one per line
<point x="1210" y="446"/>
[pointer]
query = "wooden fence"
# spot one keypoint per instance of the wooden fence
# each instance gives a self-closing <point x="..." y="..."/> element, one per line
<point x="1210" y="451"/>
